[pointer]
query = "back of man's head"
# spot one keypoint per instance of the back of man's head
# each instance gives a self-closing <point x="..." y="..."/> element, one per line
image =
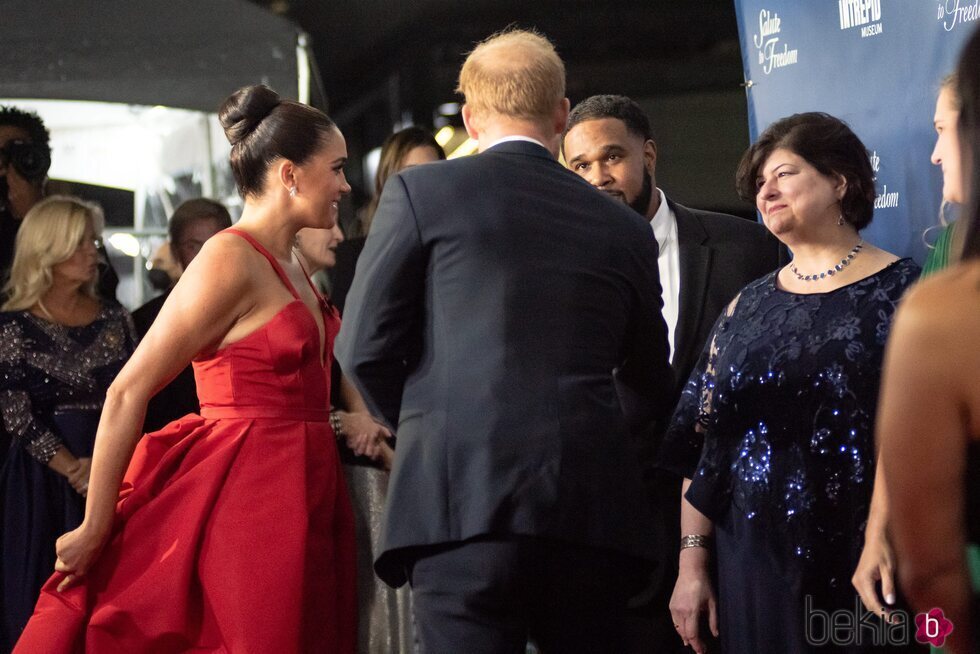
<point x="619" y="107"/>
<point x="194" y="210"/>
<point x="515" y="74"/>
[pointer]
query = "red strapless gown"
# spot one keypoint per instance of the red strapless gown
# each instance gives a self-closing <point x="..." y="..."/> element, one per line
<point x="234" y="531"/>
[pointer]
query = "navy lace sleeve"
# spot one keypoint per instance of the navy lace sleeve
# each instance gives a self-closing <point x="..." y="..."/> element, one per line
<point x="684" y="439"/>
<point x="779" y="415"/>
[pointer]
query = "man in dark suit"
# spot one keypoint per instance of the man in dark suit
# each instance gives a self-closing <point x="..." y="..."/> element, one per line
<point x="193" y="223"/>
<point x="495" y="296"/>
<point x="704" y="260"/>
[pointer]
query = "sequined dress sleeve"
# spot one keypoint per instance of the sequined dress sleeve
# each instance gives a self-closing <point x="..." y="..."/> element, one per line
<point x="46" y="367"/>
<point x="777" y="421"/>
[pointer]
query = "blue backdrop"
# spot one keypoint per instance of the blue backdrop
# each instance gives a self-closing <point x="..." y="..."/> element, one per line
<point x="876" y="64"/>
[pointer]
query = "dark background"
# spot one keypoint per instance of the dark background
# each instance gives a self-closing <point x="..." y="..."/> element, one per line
<point x="385" y="63"/>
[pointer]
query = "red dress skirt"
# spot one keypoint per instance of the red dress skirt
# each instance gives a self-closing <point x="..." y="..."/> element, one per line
<point x="233" y="531"/>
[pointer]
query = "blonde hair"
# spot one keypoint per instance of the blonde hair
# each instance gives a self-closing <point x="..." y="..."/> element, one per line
<point x="514" y="73"/>
<point x="50" y="234"/>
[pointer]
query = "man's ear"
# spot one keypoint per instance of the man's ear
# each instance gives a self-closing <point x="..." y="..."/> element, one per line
<point x="561" y="115"/>
<point x="650" y="157"/>
<point x="471" y="122"/>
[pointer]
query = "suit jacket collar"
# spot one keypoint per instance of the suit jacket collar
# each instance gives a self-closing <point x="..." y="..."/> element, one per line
<point x="695" y="265"/>
<point x="522" y="147"/>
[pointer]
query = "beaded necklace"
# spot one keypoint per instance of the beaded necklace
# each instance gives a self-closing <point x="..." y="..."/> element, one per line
<point x="846" y="261"/>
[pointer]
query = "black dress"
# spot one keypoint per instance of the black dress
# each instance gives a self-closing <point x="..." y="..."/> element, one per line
<point x="775" y="428"/>
<point x="53" y="381"/>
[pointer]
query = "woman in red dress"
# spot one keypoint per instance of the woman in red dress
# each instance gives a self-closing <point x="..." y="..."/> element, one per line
<point x="231" y="531"/>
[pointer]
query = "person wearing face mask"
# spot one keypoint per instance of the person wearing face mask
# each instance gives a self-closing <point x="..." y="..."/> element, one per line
<point x="230" y="530"/>
<point x="60" y="347"/>
<point x="193" y="223"/>
<point x="774" y="431"/>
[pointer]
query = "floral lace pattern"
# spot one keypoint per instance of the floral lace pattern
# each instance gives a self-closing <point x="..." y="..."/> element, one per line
<point x="777" y="420"/>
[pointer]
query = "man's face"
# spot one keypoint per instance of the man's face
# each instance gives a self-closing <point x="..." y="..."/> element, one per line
<point x="192" y="240"/>
<point x="614" y="160"/>
<point x="23" y="194"/>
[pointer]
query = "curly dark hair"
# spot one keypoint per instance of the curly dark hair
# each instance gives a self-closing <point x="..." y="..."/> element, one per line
<point x="827" y="144"/>
<point x="31" y="123"/>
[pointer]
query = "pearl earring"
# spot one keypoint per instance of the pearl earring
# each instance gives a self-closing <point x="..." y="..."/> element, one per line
<point x="292" y="191"/>
<point x="840" y="220"/>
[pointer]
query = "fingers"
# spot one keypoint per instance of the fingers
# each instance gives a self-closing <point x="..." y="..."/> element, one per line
<point x="865" y="585"/>
<point x="80" y="486"/>
<point x="66" y="583"/>
<point x="887" y="583"/>
<point x="691" y="635"/>
<point x="713" y="616"/>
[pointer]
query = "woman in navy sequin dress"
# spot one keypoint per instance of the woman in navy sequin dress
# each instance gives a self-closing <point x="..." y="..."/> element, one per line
<point x="60" y="347"/>
<point x="774" y="432"/>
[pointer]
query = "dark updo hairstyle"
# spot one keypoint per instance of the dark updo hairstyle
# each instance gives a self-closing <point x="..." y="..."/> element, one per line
<point x="262" y="127"/>
<point x="968" y="129"/>
<point x="827" y="144"/>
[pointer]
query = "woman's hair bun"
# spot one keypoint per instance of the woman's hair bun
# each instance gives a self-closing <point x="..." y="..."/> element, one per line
<point x="244" y="109"/>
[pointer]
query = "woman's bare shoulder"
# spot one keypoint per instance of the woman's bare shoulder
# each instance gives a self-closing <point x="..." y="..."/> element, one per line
<point x="945" y="305"/>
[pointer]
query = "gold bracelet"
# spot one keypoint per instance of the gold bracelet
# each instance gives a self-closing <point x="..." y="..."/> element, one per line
<point x="694" y="540"/>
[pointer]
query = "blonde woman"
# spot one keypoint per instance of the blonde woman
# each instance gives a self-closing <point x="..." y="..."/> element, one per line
<point x="60" y="347"/>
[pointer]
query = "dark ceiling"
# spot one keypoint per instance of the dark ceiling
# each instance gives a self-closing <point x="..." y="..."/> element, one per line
<point x="387" y="63"/>
<point x="641" y="48"/>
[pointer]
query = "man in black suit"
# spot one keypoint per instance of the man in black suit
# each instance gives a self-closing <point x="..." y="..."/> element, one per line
<point x="704" y="260"/>
<point x="494" y="299"/>
<point x="193" y="223"/>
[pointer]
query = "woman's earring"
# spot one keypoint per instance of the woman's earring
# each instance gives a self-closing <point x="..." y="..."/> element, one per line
<point x="840" y="220"/>
<point x="292" y="191"/>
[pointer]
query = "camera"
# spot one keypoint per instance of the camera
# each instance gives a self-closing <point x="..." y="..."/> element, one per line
<point x="31" y="161"/>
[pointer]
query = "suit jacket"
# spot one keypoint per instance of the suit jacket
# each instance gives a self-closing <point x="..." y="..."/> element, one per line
<point x="495" y="296"/>
<point x="719" y="255"/>
<point x="179" y="397"/>
<point x="342" y="274"/>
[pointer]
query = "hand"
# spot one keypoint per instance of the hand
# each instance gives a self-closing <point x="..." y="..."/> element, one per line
<point x="77" y="551"/>
<point x="693" y="595"/>
<point x="877" y="563"/>
<point x="364" y="435"/>
<point x="78" y="475"/>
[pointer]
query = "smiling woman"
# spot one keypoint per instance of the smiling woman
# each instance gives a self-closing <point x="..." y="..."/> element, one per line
<point x="194" y="551"/>
<point x="774" y="430"/>
<point x="59" y="350"/>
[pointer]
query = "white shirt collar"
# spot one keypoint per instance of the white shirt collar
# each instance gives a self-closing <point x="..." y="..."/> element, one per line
<point x="516" y="137"/>
<point x="663" y="222"/>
